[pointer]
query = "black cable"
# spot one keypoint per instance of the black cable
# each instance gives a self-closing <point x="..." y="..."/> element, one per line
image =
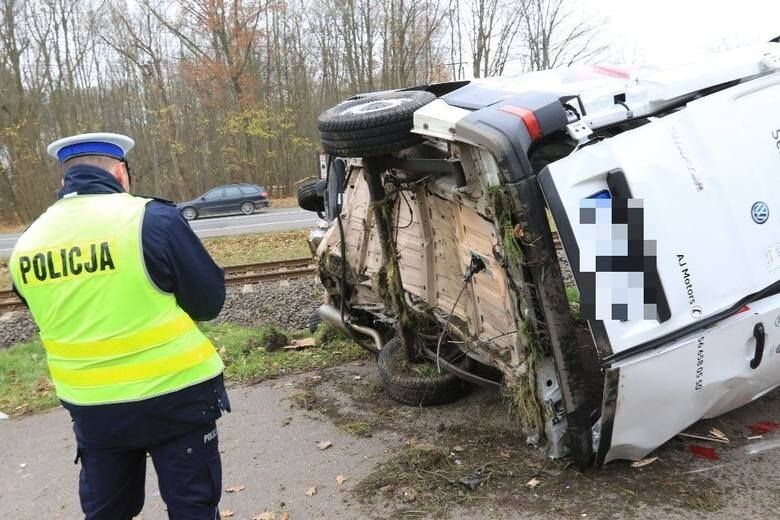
<point x="447" y="324"/>
<point x="411" y="213"/>
<point x="476" y="265"/>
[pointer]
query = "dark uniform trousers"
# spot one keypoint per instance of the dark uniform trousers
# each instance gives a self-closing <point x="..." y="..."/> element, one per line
<point x="178" y="432"/>
<point x="189" y="473"/>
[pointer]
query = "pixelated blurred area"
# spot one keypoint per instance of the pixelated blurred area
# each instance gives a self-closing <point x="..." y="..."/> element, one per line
<point x="616" y="263"/>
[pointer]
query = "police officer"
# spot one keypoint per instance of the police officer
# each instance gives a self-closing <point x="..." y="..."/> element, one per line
<point x="115" y="283"/>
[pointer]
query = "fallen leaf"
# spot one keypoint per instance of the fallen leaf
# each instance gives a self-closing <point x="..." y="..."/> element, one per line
<point x="505" y="455"/>
<point x="764" y="427"/>
<point x="719" y="434"/>
<point x="235" y="489"/>
<point x="324" y="445"/>
<point x="533" y="483"/>
<point x="226" y="513"/>
<point x="311" y="491"/>
<point x="643" y="462"/>
<point x="704" y="452"/>
<point x="267" y="515"/>
<point x="341" y="479"/>
<point x="388" y="489"/>
<point x="457" y="449"/>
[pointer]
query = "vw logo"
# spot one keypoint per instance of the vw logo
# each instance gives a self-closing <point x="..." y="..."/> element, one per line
<point x="760" y="212"/>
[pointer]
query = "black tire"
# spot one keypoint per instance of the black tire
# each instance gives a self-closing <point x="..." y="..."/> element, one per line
<point x="373" y="125"/>
<point x="310" y="196"/>
<point x="314" y="322"/>
<point x="247" y="208"/>
<point x="189" y="213"/>
<point x="406" y="387"/>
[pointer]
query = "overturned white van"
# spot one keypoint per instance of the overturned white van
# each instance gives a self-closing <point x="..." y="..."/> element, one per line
<point x="455" y="205"/>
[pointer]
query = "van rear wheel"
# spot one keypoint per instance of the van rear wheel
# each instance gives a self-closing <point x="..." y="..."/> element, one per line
<point x="416" y="384"/>
<point x="372" y="125"/>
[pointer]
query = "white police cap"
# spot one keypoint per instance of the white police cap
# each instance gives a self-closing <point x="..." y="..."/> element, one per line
<point x="103" y="143"/>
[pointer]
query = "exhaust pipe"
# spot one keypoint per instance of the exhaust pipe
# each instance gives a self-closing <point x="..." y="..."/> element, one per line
<point x="332" y="316"/>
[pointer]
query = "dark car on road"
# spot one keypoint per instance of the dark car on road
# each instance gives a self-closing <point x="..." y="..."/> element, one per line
<point x="226" y="200"/>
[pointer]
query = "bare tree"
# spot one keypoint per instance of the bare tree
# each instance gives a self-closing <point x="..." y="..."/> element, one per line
<point x="555" y="37"/>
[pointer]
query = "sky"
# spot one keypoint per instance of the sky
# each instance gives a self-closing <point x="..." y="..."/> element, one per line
<point x="670" y="32"/>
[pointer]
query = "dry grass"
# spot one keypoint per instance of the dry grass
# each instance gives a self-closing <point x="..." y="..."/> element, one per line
<point x="5" y="275"/>
<point x="263" y="247"/>
<point x="286" y="202"/>
<point x="6" y="227"/>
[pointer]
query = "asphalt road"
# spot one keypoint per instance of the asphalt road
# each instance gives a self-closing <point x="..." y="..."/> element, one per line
<point x="281" y="219"/>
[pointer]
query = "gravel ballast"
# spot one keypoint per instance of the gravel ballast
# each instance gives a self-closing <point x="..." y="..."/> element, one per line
<point x="285" y="303"/>
<point x="16" y="327"/>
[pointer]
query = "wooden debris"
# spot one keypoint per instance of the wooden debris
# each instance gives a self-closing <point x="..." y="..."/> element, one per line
<point x="643" y="462"/>
<point x="711" y="438"/>
<point x="299" y="344"/>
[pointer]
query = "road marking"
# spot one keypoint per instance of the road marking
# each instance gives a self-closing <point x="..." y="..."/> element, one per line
<point x="310" y="220"/>
<point x="208" y="220"/>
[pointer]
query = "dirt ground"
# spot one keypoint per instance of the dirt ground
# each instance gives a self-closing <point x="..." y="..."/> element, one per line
<point x="402" y="462"/>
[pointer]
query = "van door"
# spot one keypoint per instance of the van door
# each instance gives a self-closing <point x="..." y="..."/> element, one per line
<point x="671" y="230"/>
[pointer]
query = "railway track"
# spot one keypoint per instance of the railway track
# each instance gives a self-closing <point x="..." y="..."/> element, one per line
<point x="265" y="271"/>
<point x="234" y="275"/>
<point x="9" y="301"/>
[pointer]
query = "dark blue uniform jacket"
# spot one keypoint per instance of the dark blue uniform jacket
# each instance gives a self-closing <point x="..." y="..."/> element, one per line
<point x="178" y="264"/>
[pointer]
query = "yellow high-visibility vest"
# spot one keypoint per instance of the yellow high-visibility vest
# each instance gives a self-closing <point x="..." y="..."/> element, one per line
<point x="110" y="334"/>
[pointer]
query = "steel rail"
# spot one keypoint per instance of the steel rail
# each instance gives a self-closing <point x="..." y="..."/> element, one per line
<point x="234" y="275"/>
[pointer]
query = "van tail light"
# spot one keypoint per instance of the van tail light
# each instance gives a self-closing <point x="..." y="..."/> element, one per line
<point x="528" y="117"/>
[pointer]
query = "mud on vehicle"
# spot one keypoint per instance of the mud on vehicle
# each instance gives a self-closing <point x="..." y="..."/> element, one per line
<point x="441" y="255"/>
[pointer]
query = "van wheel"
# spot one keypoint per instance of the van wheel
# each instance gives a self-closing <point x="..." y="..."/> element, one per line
<point x="311" y="196"/>
<point x="416" y="384"/>
<point x="372" y="125"/>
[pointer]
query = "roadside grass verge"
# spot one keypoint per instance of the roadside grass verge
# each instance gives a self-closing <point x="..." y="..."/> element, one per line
<point x="263" y="247"/>
<point x="25" y="386"/>
<point x="5" y="274"/>
<point x="246" y="360"/>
